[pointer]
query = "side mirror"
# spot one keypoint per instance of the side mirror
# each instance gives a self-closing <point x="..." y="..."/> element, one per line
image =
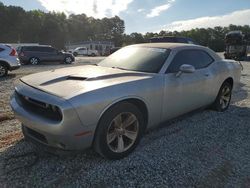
<point x="185" y="68"/>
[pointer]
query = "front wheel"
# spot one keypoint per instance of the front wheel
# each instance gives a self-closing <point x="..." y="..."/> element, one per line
<point x="223" y="99"/>
<point x="68" y="60"/>
<point x="3" y="70"/>
<point x="34" y="61"/>
<point x="119" y="131"/>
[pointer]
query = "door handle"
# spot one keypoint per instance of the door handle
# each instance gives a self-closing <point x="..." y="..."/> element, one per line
<point x="207" y="74"/>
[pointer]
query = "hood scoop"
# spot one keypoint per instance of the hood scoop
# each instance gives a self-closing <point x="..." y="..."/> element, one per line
<point x="78" y="77"/>
<point x="61" y="79"/>
<point x="81" y="78"/>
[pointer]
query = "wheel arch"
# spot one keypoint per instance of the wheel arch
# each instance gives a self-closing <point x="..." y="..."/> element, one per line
<point x="230" y="81"/>
<point x="138" y="102"/>
<point x="5" y="64"/>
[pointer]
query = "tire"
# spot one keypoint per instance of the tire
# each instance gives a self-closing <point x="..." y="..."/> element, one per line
<point x="34" y="61"/>
<point x="75" y="54"/>
<point x="68" y="60"/>
<point x="110" y="132"/>
<point x="93" y="55"/>
<point x="3" y="70"/>
<point x="223" y="98"/>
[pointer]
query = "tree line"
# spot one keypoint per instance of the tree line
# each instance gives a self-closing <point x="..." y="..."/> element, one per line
<point x="36" y="26"/>
<point x="57" y="29"/>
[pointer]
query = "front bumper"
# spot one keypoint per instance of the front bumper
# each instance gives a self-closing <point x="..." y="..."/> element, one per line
<point x="15" y="67"/>
<point x="67" y="133"/>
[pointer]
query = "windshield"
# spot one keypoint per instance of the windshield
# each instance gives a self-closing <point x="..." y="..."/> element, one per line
<point x="142" y="59"/>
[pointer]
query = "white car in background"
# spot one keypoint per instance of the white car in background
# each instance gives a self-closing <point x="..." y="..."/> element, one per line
<point x="8" y="59"/>
<point x="84" y="51"/>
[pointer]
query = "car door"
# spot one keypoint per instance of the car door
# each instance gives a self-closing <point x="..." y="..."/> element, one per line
<point x="187" y="91"/>
<point x="82" y="51"/>
<point x="39" y="52"/>
<point x="53" y="54"/>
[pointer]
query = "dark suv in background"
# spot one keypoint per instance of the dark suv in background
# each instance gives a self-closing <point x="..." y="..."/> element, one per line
<point x="172" y="39"/>
<point x="43" y="53"/>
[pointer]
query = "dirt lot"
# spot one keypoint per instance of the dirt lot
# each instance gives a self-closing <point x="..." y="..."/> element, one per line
<point x="201" y="149"/>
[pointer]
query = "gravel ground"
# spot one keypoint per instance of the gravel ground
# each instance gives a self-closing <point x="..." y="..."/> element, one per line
<point x="201" y="149"/>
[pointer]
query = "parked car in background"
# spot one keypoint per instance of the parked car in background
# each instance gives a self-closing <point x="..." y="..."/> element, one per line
<point x="236" y="45"/>
<point x="43" y="53"/>
<point x="8" y="59"/>
<point x="172" y="39"/>
<point x="112" y="50"/>
<point x="84" y="51"/>
<point x="109" y="105"/>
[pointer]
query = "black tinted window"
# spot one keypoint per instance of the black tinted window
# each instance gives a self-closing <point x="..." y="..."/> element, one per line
<point x="198" y="58"/>
<point x="28" y="48"/>
<point x="142" y="59"/>
<point x="48" y="49"/>
<point x="39" y="49"/>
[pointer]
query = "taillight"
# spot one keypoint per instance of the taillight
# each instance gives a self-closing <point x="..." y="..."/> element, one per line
<point x="13" y="52"/>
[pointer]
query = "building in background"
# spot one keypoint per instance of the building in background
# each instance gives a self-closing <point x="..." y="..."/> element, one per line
<point x="103" y="47"/>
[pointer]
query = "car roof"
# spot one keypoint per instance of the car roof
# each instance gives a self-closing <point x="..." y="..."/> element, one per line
<point x="179" y="46"/>
<point x="168" y="45"/>
<point x="35" y="46"/>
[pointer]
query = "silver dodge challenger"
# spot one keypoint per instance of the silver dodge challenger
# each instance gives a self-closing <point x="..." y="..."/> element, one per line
<point x="109" y="105"/>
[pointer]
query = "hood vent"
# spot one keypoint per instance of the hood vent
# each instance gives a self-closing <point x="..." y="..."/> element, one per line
<point x="76" y="78"/>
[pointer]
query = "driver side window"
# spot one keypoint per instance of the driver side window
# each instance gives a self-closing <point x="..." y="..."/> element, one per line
<point x="197" y="58"/>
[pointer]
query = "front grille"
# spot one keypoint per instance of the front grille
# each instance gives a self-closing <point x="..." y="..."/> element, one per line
<point x="36" y="135"/>
<point x="39" y="108"/>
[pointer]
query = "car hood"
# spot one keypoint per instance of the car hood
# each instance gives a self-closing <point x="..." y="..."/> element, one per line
<point x="69" y="82"/>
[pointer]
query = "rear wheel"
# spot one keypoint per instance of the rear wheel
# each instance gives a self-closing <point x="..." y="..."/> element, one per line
<point x="34" y="61"/>
<point x="119" y="131"/>
<point x="3" y="70"/>
<point x="223" y="99"/>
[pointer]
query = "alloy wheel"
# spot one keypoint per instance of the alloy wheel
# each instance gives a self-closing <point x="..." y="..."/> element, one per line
<point x="2" y="70"/>
<point x="68" y="60"/>
<point x="34" y="61"/>
<point x="122" y="132"/>
<point x="225" y="97"/>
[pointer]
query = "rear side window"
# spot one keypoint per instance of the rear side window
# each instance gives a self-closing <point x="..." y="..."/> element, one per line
<point x="47" y="49"/>
<point x="198" y="58"/>
<point x="18" y="49"/>
<point x="38" y="49"/>
<point x="29" y="48"/>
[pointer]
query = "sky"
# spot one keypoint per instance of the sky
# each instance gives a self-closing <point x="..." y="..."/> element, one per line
<point x="152" y="15"/>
